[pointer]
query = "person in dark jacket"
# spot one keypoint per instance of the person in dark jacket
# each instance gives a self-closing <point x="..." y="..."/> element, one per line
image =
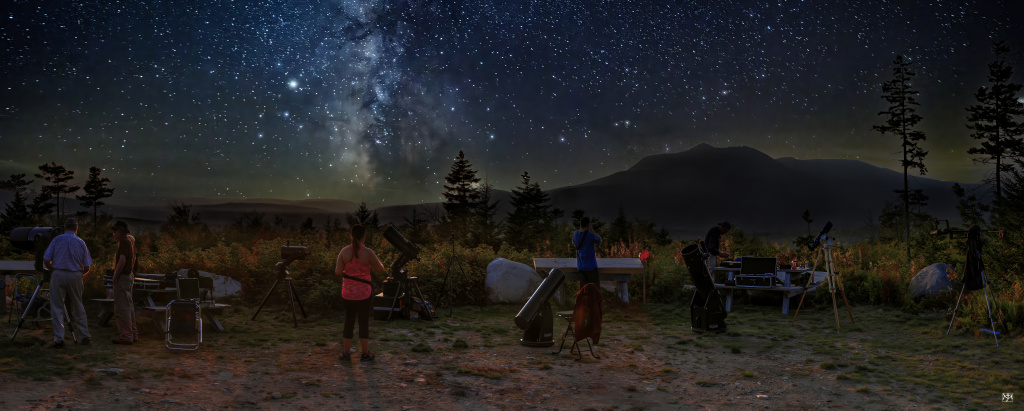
<point x="713" y="242"/>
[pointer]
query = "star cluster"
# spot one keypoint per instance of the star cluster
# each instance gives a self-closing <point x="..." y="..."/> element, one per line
<point x="371" y="100"/>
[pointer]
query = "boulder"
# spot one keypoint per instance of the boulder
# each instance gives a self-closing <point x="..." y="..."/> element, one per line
<point x="510" y="282"/>
<point x="222" y="286"/>
<point x="932" y="280"/>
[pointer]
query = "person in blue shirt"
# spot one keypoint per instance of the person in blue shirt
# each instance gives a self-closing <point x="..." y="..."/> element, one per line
<point x="584" y="240"/>
<point x="70" y="261"/>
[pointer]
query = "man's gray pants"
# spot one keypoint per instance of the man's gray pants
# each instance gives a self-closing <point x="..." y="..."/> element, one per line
<point x="69" y="286"/>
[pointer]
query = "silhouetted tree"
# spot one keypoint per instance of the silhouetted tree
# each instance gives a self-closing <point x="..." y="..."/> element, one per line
<point x="900" y="120"/>
<point x="995" y="119"/>
<point x="95" y="191"/>
<point x="417" y="228"/>
<point x="307" y="226"/>
<point x="461" y="193"/>
<point x="486" y="229"/>
<point x="530" y="217"/>
<point x="807" y="218"/>
<point x="363" y="216"/>
<point x="971" y="210"/>
<point x="16" y="212"/>
<point x="59" y="187"/>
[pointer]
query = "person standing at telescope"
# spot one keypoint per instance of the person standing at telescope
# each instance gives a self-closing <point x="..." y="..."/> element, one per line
<point x="355" y="263"/>
<point x="584" y="240"/>
<point x="713" y="242"/>
<point x="68" y="257"/>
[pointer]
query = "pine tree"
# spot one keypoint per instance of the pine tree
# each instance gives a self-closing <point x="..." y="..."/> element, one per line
<point x="900" y="120"/>
<point x="364" y="216"/>
<point x="995" y="119"/>
<point x="486" y="229"/>
<point x="530" y="217"/>
<point x="59" y="187"/>
<point x="462" y="195"/>
<point x="95" y="191"/>
<point x="16" y="212"/>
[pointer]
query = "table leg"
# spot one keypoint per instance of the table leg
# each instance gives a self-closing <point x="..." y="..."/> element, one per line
<point x="213" y="320"/>
<point x="728" y="300"/>
<point x="105" y="318"/>
<point x="622" y="288"/>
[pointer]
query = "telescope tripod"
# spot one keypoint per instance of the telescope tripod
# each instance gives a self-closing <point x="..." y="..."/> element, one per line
<point x="293" y="297"/>
<point x="448" y="286"/>
<point x="833" y="283"/>
<point x="407" y="285"/>
<point x="974" y="250"/>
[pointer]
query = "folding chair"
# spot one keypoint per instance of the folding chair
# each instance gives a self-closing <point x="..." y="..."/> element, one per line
<point x="185" y="317"/>
<point x="584" y="321"/>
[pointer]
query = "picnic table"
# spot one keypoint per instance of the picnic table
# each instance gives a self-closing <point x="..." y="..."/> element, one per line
<point x="619" y="270"/>
<point x="788" y="287"/>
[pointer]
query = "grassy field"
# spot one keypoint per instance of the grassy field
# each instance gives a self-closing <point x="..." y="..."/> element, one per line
<point x="886" y="359"/>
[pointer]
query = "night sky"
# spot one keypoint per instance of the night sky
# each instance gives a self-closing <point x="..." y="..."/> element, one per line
<point x="372" y="100"/>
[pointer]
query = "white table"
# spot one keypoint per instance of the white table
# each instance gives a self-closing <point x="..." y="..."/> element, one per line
<point x="788" y="288"/>
<point x="620" y="270"/>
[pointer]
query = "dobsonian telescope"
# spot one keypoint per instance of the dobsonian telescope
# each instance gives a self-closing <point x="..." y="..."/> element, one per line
<point x="707" y="312"/>
<point x="535" y="316"/>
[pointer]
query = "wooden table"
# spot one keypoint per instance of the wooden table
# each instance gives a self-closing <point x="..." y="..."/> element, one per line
<point x="619" y="270"/>
<point x="788" y="288"/>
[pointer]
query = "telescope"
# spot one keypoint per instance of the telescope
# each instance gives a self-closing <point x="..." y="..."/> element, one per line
<point x="35" y="240"/>
<point x="707" y="313"/>
<point x="409" y="251"/>
<point x="949" y="231"/>
<point x="294" y="253"/>
<point x="535" y="316"/>
<point x="822" y="236"/>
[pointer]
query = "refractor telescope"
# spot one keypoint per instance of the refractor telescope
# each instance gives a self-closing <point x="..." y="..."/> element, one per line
<point x="822" y="236"/>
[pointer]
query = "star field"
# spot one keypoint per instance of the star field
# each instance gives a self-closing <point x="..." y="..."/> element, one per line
<point x="371" y="100"/>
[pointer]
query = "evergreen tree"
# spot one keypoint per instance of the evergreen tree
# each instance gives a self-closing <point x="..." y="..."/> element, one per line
<point x="363" y="216"/>
<point x="307" y="226"/>
<point x="461" y="194"/>
<point x="16" y="212"/>
<point x="530" y="217"/>
<point x="995" y="119"/>
<point x="971" y="210"/>
<point x="95" y="191"/>
<point x="417" y="228"/>
<point x="620" y="229"/>
<point x="59" y="187"/>
<point x="486" y="229"/>
<point x="900" y="120"/>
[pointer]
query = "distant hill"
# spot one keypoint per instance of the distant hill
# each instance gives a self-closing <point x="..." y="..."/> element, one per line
<point x="688" y="192"/>
<point x="685" y="192"/>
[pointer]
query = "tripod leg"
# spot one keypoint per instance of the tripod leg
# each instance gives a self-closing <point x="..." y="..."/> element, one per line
<point x="423" y="299"/>
<point x="265" y="299"/>
<point x="810" y="280"/>
<point x="956" y="307"/>
<point x="994" y="332"/>
<point x="298" y="301"/>
<point x="394" y="301"/>
<point x="291" y="301"/>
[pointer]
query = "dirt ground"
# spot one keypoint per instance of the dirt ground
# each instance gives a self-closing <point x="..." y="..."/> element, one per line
<point x="642" y="366"/>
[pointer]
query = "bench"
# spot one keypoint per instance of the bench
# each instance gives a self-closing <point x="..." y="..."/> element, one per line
<point x="620" y="270"/>
<point x="158" y="313"/>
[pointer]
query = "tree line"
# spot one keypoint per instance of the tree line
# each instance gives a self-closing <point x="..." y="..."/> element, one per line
<point x="51" y="197"/>
<point x="996" y="122"/>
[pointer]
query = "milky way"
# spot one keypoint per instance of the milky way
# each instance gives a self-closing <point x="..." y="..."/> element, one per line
<point x="372" y="100"/>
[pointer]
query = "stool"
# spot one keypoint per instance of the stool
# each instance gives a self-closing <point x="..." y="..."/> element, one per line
<point x="568" y="317"/>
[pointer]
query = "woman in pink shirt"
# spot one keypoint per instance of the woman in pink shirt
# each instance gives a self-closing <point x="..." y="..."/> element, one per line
<point x="355" y="262"/>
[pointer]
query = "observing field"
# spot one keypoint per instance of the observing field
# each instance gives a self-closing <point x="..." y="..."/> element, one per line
<point x="649" y="359"/>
